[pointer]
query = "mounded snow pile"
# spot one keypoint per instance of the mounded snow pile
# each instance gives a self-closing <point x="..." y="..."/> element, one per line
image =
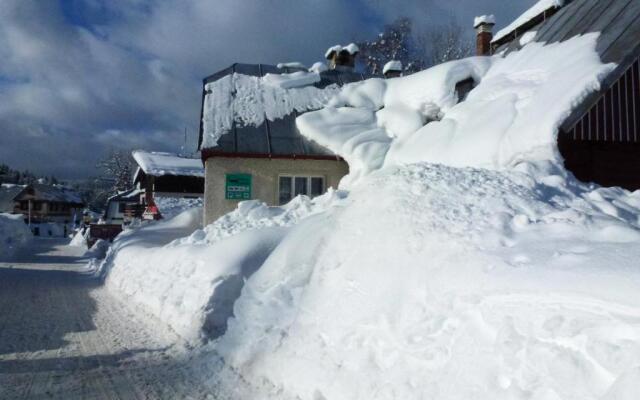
<point x="466" y="262"/>
<point x="248" y="100"/>
<point x="362" y="121"/>
<point x="192" y="283"/>
<point x="505" y="119"/>
<point x="80" y="238"/>
<point x="172" y="206"/>
<point x="14" y="233"/>
<point x="449" y="283"/>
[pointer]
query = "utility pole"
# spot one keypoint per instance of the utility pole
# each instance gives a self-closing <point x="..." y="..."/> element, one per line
<point x="29" y="201"/>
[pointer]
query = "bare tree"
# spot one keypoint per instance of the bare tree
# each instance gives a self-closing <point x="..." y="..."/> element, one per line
<point x="393" y="43"/>
<point x="443" y="43"/>
<point x="117" y="171"/>
<point x="416" y="51"/>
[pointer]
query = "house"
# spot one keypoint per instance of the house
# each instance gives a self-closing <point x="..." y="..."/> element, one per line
<point x="45" y="207"/>
<point x="249" y="142"/>
<point x="166" y="175"/>
<point x="123" y="207"/>
<point x="600" y="139"/>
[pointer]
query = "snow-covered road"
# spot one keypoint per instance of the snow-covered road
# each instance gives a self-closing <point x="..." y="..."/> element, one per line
<point x="63" y="335"/>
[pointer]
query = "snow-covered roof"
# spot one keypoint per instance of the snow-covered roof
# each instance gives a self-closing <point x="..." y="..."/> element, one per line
<point x="393" y="65"/>
<point x="616" y="23"/>
<point x="293" y="64"/>
<point x="160" y="164"/>
<point x="351" y="48"/>
<point x="484" y="19"/>
<point x="127" y="195"/>
<point x="537" y="9"/>
<point x="52" y="193"/>
<point x="251" y="108"/>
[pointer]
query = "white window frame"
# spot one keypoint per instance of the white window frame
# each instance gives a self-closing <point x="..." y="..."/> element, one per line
<point x="293" y="185"/>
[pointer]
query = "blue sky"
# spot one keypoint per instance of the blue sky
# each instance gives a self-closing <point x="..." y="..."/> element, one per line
<point x="80" y="77"/>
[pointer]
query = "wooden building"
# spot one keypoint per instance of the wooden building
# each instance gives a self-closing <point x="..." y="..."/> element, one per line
<point x="167" y="175"/>
<point x="41" y="203"/>
<point x="600" y="139"/>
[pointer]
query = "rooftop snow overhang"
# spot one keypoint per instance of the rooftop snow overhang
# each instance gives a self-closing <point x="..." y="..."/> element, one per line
<point x="517" y="27"/>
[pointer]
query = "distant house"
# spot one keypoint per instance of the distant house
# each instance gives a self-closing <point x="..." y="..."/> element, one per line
<point x="600" y="138"/>
<point x="249" y="142"/>
<point x="45" y="204"/>
<point x="123" y="207"/>
<point x="167" y="175"/>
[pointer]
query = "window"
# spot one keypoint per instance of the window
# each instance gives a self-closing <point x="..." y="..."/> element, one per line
<point x="37" y="206"/>
<point x="292" y="186"/>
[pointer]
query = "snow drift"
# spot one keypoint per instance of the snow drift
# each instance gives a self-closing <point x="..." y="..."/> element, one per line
<point x="505" y="119"/>
<point x="14" y="233"/>
<point x="190" y="277"/>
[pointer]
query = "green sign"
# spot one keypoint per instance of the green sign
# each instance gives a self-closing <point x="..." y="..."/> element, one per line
<point x="238" y="187"/>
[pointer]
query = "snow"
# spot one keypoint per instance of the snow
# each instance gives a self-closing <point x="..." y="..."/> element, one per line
<point x="484" y="19"/>
<point x="393" y="65"/>
<point x="365" y="118"/>
<point x="442" y="282"/>
<point x="464" y="262"/>
<point x="171" y="206"/>
<point x="294" y="64"/>
<point x="79" y="239"/>
<point x="537" y="9"/>
<point x="194" y="276"/>
<point x="160" y="164"/>
<point x="319" y="67"/>
<point x="249" y="100"/>
<point x="528" y="37"/>
<point x="292" y="80"/>
<point x="505" y="119"/>
<point x="14" y="233"/>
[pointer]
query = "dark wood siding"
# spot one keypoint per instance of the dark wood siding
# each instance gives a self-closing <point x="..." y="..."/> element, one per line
<point x="604" y="145"/>
<point x="614" y="117"/>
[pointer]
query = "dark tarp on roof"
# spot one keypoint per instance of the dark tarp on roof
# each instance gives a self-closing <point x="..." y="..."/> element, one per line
<point x="279" y="137"/>
<point x="618" y="21"/>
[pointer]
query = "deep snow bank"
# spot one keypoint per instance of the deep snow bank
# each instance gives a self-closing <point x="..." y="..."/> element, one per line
<point x="191" y="277"/>
<point x="466" y="263"/>
<point x="449" y="283"/>
<point x="14" y="233"/>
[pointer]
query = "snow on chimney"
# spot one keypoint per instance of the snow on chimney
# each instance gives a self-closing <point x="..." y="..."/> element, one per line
<point x="484" y="30"/>
<point x="392" y="69"/>
<point x="342" y="58"/>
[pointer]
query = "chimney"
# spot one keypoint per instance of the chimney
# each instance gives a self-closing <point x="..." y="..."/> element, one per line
<point x="342" y="58"/>
<point x="484" y="30"/>
<point x="392" y="69"/>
